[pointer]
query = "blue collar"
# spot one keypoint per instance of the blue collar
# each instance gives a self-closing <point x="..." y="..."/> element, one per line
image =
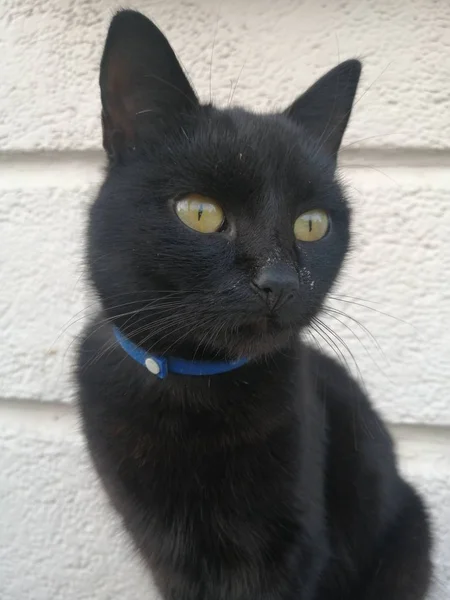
<point x="161" y="366"/>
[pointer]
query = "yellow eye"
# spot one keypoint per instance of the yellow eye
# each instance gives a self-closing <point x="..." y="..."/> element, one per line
<point x="311" y="226"/>
<point x="200" y="213"/>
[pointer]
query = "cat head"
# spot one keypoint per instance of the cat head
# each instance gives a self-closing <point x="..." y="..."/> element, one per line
<point x="216" y="231"/>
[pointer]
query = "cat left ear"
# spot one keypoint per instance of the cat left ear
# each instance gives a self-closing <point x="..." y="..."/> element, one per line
<point x="141" y="80"/>
<point x="324" y="109"/>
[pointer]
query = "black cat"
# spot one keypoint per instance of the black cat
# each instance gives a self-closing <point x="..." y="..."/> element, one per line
<point x="245" y="465"/>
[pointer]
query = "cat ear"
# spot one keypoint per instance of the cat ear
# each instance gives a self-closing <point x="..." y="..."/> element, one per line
<point x="324" y="109"/>
<point x="141" y="81"/>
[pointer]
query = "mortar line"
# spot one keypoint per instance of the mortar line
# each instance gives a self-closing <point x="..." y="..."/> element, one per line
<point x="35" y="412"/>
<point x="350" y="157"/>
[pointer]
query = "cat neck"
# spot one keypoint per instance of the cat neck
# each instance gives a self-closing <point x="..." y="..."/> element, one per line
<point x="163" y="366"/>
<point x="193" y="352"/>
<point x="173" y="345"/>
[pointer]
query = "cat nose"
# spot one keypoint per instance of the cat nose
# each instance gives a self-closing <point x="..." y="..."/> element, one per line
<point x="277" y="285"/>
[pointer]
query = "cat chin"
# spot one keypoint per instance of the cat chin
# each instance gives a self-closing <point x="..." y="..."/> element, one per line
<point x="238" y="345"/>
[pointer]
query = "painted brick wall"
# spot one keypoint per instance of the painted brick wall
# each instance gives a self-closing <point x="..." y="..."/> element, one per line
<point x="58" y="538"/>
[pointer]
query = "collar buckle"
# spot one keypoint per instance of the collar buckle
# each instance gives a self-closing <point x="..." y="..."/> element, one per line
<point x="157" y="366"/>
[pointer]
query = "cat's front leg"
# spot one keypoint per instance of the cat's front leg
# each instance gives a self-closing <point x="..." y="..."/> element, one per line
<point x="402" y="567"/>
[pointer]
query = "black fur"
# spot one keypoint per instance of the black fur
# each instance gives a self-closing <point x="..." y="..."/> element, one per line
<point x="276" y="481"/>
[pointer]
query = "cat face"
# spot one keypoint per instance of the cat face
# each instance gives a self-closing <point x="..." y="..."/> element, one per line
<point x="216" y="231"/>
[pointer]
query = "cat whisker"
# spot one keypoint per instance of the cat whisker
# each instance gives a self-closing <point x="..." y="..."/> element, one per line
<point x="365" y="329"/>
<point x="212" y="53"/>
<point x="371" y="308"/>
<point x="174" y="87"/>
<point x="357" y="337"/>
<point x="169" y="317"/>
<point x="369" y="137"/>
<point x="102" y="322"/>
<point x="329" y="335"/>
<point x="237" y="82"/>
<point x="109" y="346"/>
<point x="83" y="314"/>
<point x="186" y="325"/>
<point x="188" y="331"/>
<point x="143" y="112"/>
<point x="321" y="142"/>
<point x="354" y="298"/>
<point x="372" y="84"/>
<point x="373" y="168"/>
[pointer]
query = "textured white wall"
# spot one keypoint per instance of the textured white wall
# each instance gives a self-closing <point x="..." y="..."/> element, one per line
<point x="58" y="539"/>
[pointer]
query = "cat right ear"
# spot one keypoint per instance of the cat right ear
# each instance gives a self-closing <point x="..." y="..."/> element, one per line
<point x="324" y="109"/>
<point x="142" y="84"/>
